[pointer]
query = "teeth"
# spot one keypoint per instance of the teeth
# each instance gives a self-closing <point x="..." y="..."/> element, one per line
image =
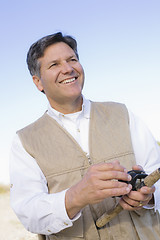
<point x="68" y="80"/>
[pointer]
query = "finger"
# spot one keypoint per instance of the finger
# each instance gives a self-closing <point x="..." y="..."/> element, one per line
<point x="137" y="167"/>
<point x="115" y="175"/>
<point x="108" y="172"/>
<point x="109" y="166"/>
<point x="132" y="205"/>
<point x="115" y="191"/>
<point x="131" y="202"/>
<point x="125" y="205"/>
<point x="108" y="175"/>
<point x="147" y="190"/>
<point x="133" y="197"/>
<point x="102" y="185"/>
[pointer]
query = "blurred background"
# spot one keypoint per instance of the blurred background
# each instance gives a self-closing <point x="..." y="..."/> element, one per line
<point x="119" y="48"/>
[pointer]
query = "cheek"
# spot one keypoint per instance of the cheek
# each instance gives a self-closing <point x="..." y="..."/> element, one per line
<point x="80" y="70"/>
<point x="83" y="75"/>
<point x="79" y="67"/>
<point x="49" y="78"/>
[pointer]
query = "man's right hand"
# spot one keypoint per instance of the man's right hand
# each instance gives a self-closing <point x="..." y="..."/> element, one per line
<point x="99" y="182"/>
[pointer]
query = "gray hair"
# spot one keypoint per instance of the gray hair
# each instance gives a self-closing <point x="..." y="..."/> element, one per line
<point x="37" y="49"/>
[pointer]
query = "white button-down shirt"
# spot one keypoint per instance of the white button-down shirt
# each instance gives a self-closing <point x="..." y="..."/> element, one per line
<point x="44" y="213"/>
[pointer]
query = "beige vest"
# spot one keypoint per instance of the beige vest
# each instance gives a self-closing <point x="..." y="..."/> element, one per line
<point x="64" y="163"/>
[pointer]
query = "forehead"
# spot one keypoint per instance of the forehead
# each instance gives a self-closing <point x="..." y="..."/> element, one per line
<point x="57" y="50"/>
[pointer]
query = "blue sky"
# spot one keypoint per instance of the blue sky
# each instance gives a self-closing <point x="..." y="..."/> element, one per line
<point x="119" y="48"/>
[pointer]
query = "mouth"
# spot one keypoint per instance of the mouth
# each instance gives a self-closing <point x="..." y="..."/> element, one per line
<point x="71" y="80"/>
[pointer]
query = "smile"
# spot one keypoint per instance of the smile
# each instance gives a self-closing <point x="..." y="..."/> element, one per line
<point x="68" y="80"/>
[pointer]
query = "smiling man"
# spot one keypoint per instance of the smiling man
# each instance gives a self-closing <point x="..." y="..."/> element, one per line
<point x="61" y="78"/>
<point x="65" y="167"/>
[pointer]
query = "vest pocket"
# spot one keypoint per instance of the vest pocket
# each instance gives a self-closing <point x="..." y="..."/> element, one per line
<point x="71" y="233"/>
<point x="56" y="183"/>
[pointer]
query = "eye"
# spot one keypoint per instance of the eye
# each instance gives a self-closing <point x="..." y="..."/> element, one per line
<point x="53" y="65"/>
<point x="74" y="60"/>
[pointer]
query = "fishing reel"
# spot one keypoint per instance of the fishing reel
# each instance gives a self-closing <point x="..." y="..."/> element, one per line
<point x="137" y="180"/>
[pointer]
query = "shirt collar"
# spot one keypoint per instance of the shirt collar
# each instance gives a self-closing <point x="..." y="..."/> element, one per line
<point x="84" y="112"/>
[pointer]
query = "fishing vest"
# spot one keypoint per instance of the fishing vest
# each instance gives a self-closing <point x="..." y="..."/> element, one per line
<point x="64" y="163"/>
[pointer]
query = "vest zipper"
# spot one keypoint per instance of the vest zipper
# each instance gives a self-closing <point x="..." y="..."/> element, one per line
<point x="89" y="159"/>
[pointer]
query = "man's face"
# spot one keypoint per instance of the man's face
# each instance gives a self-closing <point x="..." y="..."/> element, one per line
<point x="62" y="76"/>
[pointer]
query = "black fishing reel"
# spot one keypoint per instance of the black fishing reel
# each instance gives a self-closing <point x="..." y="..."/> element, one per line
<point x="137" y="180"/>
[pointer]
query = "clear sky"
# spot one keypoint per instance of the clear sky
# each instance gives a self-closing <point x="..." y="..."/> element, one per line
<point x="119" y="48"/>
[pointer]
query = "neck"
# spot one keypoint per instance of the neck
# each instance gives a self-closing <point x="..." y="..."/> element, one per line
<point x="68" y="107"/>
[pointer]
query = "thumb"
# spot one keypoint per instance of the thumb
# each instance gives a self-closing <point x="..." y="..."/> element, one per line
<point x="137" y="167"/>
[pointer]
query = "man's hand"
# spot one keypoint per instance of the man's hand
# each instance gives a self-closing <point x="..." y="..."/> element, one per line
<point x="135" y="200"/>
<point x="98" y="183"/>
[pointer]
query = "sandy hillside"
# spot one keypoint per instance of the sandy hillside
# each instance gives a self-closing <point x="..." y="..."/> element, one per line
<point x="10" y="227"/>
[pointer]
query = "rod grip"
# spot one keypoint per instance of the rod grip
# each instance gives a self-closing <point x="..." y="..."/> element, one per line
<point x="152" y="178"/>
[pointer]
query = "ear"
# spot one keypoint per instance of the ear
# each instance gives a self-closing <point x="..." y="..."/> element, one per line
<point x="37" y="81"/>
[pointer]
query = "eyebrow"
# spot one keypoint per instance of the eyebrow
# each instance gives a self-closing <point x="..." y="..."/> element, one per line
<point x="57" y="60"/>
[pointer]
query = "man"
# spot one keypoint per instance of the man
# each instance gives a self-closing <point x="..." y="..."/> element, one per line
<point x="65" y="167"/>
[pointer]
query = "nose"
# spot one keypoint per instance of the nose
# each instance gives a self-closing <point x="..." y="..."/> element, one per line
<point x="66" y="68"/>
